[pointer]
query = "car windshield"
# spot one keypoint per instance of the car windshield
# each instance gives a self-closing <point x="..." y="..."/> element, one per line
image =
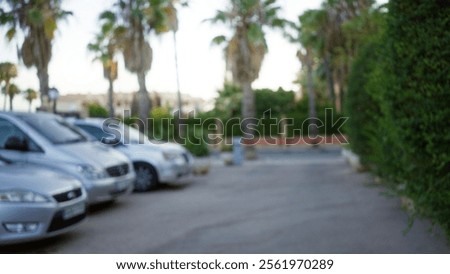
<point x="54" y="129"/>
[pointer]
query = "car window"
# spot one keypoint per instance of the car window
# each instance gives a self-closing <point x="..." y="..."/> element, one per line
<point x="8" y="130"/>
<point x="54" y="129"/>
<point x="129" y="134"/>
<point x="98" y="133"/>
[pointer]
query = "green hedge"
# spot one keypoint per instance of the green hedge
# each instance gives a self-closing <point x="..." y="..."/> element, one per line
<point x="419" y="98"/>
<point x="398" y="102"/>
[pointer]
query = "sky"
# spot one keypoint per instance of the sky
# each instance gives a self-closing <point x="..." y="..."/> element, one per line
<point x="201" y="64"/>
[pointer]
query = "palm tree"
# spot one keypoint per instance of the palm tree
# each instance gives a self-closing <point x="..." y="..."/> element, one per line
<point x="308" y="34"/>
<point x="13" y="90"/>
<point x="38" y="21"/>
<point x="246" y="48"/>
<point x="7" y="72"/>
<point x="340" y="48"/>
<point x="141" y="18"/>
<point x="105" y="46"/>
<point x="323" y="33"/>
<point x="307" y="59"/>
<point x="173" y="21"/>
<point x="30" y="96"/>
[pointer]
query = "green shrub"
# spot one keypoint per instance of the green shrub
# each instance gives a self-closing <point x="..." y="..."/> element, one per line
<point x="97" y="110"/>
<point x="161" y="125"/>
<point x="363" y="101"/>
<point x="196" y="144"/>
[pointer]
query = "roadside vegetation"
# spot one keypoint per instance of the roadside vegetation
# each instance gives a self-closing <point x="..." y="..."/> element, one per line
<point x="398" y="103"/>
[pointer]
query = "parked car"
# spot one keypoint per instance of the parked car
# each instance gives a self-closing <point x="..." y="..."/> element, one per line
<point x="48" y="140"/>
<point x="154" y="163"/>
<point x="36" y="202"/>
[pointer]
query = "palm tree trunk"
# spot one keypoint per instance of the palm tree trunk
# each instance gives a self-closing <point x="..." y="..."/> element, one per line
<point x="6" y="94"/>
<point x="248" y="112"/>
<point x="142" y="102"/>
<point x="43" y="88"/>
<point x="311" y="97"/>
<point x="180" y="105"/>
<point x="11" y="98"/>
<point x="248" y="101"/>
<point x="337" y="89"/>
<point x="307" y="61"/>
<point x="111" y="97"/>
<point x="345" y="70"/>
<point x="179" y="132"/>
<point x="330" y="80"/>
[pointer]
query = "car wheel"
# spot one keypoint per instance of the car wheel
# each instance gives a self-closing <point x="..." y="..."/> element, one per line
<point x="146" y="177"/>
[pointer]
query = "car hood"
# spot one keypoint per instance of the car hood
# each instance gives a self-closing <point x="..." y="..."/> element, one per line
<point x="174" y="147"/>
<point x="35" y="178"/>
<point x="95" y="154"/>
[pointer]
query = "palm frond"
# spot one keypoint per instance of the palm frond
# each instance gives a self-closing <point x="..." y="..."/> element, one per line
<point x="219" y="40"/>
<point x="220" y="17"/>
<point x="11" y="33"/>
<point x="255" y="34"/>
<point x="108" y="16"/>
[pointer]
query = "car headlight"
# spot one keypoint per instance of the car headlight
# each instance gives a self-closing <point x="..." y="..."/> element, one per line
<point x="22" y="196"/>
<point x="170" y="155"/>
<point x="91" y="172"/>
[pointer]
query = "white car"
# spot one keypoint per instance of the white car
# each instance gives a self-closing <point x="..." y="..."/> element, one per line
<point x="48" y="140"/>
<point x="36" y="202"/>
<point x="154" y="163"/>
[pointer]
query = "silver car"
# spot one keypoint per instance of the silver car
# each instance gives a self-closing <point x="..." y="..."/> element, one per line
<point x="46" y="139"/>
<point x="37" y="203"/>
<point x="154" y="163"/>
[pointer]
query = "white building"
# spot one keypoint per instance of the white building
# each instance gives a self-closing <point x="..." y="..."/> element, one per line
<point x="77" y="103"/>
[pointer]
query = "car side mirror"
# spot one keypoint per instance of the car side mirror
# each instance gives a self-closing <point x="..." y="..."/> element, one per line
<point x="16" y="143"/>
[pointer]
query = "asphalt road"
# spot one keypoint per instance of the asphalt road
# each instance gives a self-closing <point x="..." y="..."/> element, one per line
<point x="288" y="201"/>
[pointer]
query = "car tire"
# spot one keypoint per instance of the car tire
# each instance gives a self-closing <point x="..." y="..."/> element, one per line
<point x="146" y="177"/>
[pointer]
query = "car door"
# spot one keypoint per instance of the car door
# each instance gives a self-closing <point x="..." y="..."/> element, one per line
<point x="15" y="144"/>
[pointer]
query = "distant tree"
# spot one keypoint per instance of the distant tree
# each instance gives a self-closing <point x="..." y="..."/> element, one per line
<point x="173" y="21"/>
<point x="13" y="90"/>
<point x="333" y="34"/>
<point x="105" y="47"/>
<point x="7" y="72"/>
<point x="38" y="21"/>
<point x="246" y="48"/>
<point x="229" y="100"/>
<point x="305" y="35"/>
<point x="141" y="18"/>
<point x="30" y="96"/>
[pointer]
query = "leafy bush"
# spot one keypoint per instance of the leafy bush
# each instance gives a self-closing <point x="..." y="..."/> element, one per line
<point x="279" y="101"/>
<point x="362" y="106"/>
<point x="161" y="126"/>
<point x="97" y="110"/>
<point x="196" y="144"/>
<point x="281" y="104"/>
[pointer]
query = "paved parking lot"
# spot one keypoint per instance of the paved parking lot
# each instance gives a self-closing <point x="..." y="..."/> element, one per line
<point x="288" y="201"/>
